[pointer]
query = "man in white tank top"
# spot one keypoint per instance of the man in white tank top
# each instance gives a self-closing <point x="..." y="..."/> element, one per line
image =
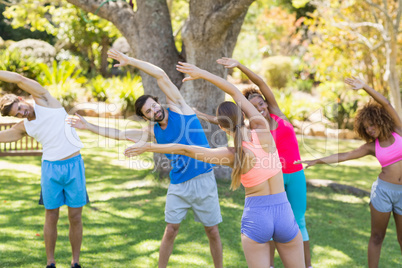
<point x="45" y="121"/>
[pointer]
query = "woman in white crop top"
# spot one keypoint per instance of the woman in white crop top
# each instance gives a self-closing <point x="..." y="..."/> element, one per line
<point x="380" y="126"/>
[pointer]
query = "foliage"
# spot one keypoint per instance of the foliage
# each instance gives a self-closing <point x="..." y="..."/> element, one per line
<point x="84" y="34"/>
<point x="339" y="105"/>
<point x="125" y="90"/>
<point x="277" y="70"/>
<point x="14" y="61"/>
<point x="293" y="108"/>
<point x="37" y="49"/>
<point x="63" y="81"/>
<point x="99" y="86"/>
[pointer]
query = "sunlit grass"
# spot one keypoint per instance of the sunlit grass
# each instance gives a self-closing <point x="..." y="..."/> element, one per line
<point x="124" y="222"/>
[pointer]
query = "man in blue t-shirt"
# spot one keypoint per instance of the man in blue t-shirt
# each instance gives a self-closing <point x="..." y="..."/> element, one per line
<point x="192" y="182"/>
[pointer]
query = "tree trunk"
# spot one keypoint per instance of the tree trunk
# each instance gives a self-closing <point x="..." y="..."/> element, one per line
<point x="210" y="33"/>
<point x="393" y="79"/>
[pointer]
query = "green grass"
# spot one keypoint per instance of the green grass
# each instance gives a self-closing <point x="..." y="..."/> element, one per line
<point x="124" y="222"/>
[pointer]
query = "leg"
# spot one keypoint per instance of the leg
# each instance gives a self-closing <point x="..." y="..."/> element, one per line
<point x="379" y="223"/>
<point x="292" y="253"/>
<point x="166" y="248"/>
<point x="296" y="192"/>
<point x="256" y="253"/>
<point x="271" y="253"/>
<point x="398" y="223"/>
<point x="75" y="234"/>
<point x="50" y="233"/>
<point x="215" y="245"/>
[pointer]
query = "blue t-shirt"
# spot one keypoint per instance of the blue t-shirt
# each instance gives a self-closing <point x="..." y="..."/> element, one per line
<point x="183" y="129"/>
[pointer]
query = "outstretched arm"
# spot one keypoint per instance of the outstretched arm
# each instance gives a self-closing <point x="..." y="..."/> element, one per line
<point x="219" y="156"/>
<point x="133" y="134"/>
<point x="39" y="93"/>
<point x="173" y="96"/>
<point x="14" y="133"/>
<point x="366" y="149"/>
<point x="255" y="118"/>
<point x="206" y="117"/>
<point x="257" y="80"/>
<point x="357" y="84"/>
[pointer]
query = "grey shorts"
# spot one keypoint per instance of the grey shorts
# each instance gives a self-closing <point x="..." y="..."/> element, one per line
<point x="200" y="194"/>
<point x="386" y="197"/>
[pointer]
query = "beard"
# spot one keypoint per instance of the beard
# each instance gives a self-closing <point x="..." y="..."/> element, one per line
<point x="161" y="117"/>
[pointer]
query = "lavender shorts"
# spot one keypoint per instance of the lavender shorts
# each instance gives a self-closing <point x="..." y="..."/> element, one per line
<point x="269" y="216"/>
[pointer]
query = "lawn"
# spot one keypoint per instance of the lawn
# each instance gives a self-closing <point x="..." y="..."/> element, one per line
<point x="124" y="222"/>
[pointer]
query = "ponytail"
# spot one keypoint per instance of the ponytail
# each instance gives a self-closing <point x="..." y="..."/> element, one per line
<point x="239" y="158"/>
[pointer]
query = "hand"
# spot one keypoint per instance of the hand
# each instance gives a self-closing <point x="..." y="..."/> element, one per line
<point x="228" y="62"/>
<point x="193" y="71"/>
<point x="355" y="83"/>
<point x="309" y="163"/>
<point x="79" y="122"/>
<point x="137" y="149"/>
<point x="117" y="55"/>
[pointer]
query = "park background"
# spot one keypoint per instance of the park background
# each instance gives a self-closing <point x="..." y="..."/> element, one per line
<point x="303" y="49"/>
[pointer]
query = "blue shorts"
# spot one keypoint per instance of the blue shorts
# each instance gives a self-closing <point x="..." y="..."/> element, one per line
<point x="269" y="216"/>
<point x="386" y="197"/>
<point x="63" y="183"/>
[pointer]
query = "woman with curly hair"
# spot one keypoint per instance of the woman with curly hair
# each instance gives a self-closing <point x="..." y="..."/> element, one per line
<point x="284" y="136"/>
<point x="380" y="126"/>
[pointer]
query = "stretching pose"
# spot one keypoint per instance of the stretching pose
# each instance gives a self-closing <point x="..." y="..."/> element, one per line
<point x="178" y="123"/>
<point x="285" y="139"/>
<point x="380" y="126"/>
<point x="267" y="212"/>
<point x="63" y="172"/>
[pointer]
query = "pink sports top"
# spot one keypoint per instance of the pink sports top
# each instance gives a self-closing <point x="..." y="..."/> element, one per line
<point x="266" y="165"/>
<point x="391" y="154"/>
<point x="286" y="143"/>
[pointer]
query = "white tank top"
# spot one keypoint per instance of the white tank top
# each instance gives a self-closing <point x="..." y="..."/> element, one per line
<point x="50" y="128"/>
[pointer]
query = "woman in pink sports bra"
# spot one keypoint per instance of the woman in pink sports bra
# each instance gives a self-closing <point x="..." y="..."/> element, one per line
<point x="380" y="126"/>
<point x="267" y="212"/>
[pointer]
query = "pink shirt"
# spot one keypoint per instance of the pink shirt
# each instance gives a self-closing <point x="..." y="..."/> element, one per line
<point x="391" y="154"/>
<point x="286" y="143"/>
<point x="266" y="165"/>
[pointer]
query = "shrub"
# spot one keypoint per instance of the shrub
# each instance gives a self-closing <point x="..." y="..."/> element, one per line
<point x="99" y="86"/>
<point x="277" y="70"/>
<point x="14" y="61"/>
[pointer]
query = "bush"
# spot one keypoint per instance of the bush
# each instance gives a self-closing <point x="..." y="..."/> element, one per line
<point x="99" y="86"/>
<point x="37" y="49"/>
<point x="63" y="81"/>
<point x="294" y="109"/>
<point x="14" y="61"/>
<point x="277" y="70"/>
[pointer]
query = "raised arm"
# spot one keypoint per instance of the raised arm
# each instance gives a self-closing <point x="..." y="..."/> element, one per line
<point x="255" y="118"/>
<point x="206" y="117"/>
<point x="365" y="149"/>
<point x="14" y="133"/>
<point x="133" y="134"/>
<point x="39" y="93"/>
<point x="219" y="156"/>
<point x="173" y="96"/>
<point x="357" y="84"/>
<point x="258" y="81"/>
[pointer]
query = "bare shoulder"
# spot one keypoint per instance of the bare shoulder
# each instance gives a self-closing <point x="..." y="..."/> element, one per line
<point x="398" y="131"/>
<point x="47" y="100"/>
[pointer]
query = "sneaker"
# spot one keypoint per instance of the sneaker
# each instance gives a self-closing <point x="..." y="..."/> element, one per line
<point x="76" y="265"/>
<point x="52" y="265"/>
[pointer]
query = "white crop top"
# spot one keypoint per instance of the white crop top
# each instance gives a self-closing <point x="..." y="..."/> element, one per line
<point x="50" y="128"/>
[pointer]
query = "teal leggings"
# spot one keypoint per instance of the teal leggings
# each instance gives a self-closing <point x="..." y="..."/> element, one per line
<point x="295" y="187"/>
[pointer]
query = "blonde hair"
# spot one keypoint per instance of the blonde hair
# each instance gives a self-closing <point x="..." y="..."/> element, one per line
<point x="231" y="118"/>
<point x="6" y="102"/>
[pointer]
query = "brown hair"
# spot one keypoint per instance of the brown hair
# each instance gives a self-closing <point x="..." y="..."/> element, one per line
<point x="140" y="102"/>
<point x="377" y="115"/>
<point x="6" y="102"/>
<point x="231" y="118"/>
<point x="252" y="92"/>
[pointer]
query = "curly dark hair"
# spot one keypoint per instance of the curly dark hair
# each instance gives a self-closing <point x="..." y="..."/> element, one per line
<point x="252" y="92"/>
<point x="377" y="115"/>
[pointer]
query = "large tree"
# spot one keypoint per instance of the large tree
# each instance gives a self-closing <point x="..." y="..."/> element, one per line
<point x="209" y="33"/>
